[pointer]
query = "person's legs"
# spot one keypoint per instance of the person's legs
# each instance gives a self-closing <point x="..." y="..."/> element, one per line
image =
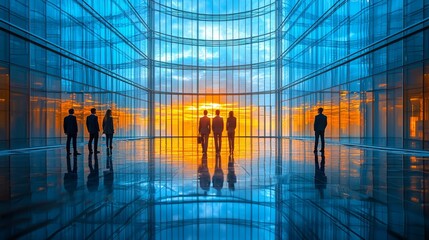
<point x="91" y="137"/>
<point x="109" y="143"/>
<point x="95" y="142"/>
<point x="220" y="141"/>
<point x="232" y="141"/>
<point x="316" y="140"/>
<point x="68" y="143"/>
<point x="74" y="143"/>
<point x="216" y="140"/>
<point x="322" y="136"/>
<point x="109" y="139"/>
<point x="205" y="142"/>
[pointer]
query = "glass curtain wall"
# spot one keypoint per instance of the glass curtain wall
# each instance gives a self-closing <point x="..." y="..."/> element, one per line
<point x="364" y="62"/>
<point x="57" y="55"/>
<point x="211" y="55"/>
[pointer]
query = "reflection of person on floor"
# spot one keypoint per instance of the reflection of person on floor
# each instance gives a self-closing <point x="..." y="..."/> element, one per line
<point x="217" y="131"/>
<point x="231" y="177"/>
<point x="231" y="124"/>
<point x="204" y="130"/>
<point x="320" y="179"/>
<point x="70" y="178"/>
<point x="93" y="177"/>
<point x="218" y="177"/>
<point x="204" y="174"/>
<point x="70" y="129"/>
<point x="93" y="129"/>
<point x="108" y="130"/>
<point x="320" y="123"/>
<point x="108" y="174"/>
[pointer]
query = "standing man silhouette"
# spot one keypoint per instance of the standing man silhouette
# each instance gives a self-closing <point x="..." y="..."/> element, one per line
<point x="70" y="129"/>
<point x="231" y="124"/>
<point x="204" y="130"/>
<point x="93" y="129"/>
<point x="217" y="131"/>
<point x="320" y="123"/>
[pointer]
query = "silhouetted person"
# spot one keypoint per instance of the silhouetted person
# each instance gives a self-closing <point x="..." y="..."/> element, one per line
<point x="231" y="177"/>
<point x="70" y="128"/>
<point x="231" y="124"/>
<point x="204" y="130"/>
<point x="320" y="178"/>
<point x="320" y="123"/>
<point x="108" y="130"/>
<point x="70" y="178"/>
<point x="218" y="176"/>
<point x="204" y="174"/>
<point x="93" y="177"/>
<point x="93" y="129"/>
<point x="217" y="131"/>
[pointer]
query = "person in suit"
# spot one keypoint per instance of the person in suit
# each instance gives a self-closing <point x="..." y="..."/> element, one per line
<point x="231" y="177"/>
<point x="93" y="129"/>
<point x="320" y="179"/>
<point x="108" y="130"/>
<point x="218" y="176"/>
<point x="70" y="129"/>
<point x="320" y="123"/>
<point x="204" y="130"/>
<point x="217" y="131"/>
<point x="231" y="124"/>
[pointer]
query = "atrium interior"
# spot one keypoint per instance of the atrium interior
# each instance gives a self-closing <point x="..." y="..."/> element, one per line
<point x="158" y="64"/>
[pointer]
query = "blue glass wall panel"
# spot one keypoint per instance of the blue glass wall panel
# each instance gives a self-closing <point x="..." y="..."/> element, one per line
<point x="364" y="63"/>
<point x="71" y="54"/>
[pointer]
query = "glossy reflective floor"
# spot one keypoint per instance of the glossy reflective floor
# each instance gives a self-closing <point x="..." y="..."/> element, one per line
<point x="166" y="189"/>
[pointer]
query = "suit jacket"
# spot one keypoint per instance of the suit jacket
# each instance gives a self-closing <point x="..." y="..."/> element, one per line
<point x="92" y="124"/>
<point x="108" y="126"/>
<point x="70" y="125"/>
<point x="231" y="124"/>
<point x="204" y="126"/>
<point x="320" y="122"/>
<point x="217" y="124"/>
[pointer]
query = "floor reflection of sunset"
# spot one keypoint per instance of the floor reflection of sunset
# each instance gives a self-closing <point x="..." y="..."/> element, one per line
<point x="190" y="152"/>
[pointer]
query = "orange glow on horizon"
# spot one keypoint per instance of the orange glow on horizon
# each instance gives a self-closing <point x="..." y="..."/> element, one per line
<point x="180" y="116"/>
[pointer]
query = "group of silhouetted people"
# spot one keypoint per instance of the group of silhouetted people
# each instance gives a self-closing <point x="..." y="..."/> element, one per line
<point x="205" y="128"/>
<point x="71" y="129"/>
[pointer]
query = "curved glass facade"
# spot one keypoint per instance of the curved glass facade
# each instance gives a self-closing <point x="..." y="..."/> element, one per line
<point x="214" y="55"/>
